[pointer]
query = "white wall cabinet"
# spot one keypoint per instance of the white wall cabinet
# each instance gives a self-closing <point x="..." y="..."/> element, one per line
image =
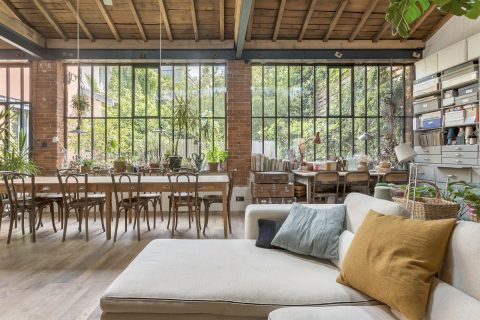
<point x="431" y="64"/>
<point x="473" y="47"/>
<point x="420" y="69"/>
<point x="453" y="55"/>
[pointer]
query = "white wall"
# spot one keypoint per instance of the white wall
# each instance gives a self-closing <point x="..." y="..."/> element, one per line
<point x="455" y="30"/>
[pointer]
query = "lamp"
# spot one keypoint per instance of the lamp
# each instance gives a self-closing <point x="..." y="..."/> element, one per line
<point x="365" y="136"/>
<point x="404" y="153"/>
<point x="56" y="140"/>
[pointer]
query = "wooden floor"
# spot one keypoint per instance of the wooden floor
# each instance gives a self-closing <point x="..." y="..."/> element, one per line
<point x="51" y="279"/>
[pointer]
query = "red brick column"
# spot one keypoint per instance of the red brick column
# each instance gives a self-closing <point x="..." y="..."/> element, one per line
<point x="47" y="82"/>
<point x="239" y="119"/>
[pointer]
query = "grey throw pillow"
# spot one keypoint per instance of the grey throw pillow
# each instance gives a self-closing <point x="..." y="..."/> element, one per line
<point x="312" y="231"/>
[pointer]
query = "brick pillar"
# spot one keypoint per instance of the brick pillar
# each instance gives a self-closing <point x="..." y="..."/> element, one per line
<point x="239" y="119"/>
<point x="47" y="80"/>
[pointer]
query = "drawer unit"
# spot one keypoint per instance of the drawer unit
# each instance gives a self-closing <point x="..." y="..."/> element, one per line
<point x="271" y="177"/>
<point x="454" y="118"/>
<point x="460" y="154"/>
<point x="468" y="89"/>
<point x="266" y="190"/>
<point x="450" y="93"/>
<point x="448" y="101"/>
<point x="426" y="158"/>
<point x="426" y="85"/>
<point x="274" y="200"/>
<point x="456" y="76"/>
<point x="460" y="162"/>
<point x="431" y="123"/>
<point x="425" y="105"/>
<point x="464" y="147"/>
<point x="428" y="150"/>
<point x="426" y="173"/>
<point x="452" y="174"/>
<point x="466" y="99"/>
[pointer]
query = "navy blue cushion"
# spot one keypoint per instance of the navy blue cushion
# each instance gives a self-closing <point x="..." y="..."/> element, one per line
<point x="267" y="229"/>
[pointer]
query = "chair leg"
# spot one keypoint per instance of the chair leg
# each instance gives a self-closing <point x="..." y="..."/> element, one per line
<point x="94" y="214"/>
<point x="60" y="214"/>
<point x="154" y="213"/>
<point x="197" y="221"/>
<point x="126" y="215"/>
<point x="229" y="218"/>
<point x="137" y="215"/>
<point x="101" y="208"/>
<point x="169" y="211"/>
<point x="86" y="224"/>
<point x="207" y="211"/>
<point x="148" y="219"/>
<point x="116" y="225"/>
<point x="161" y="209"/>
<point x="173" y="221"/>
<point x="52" y="212"/>
<point x="32" y="215"/>
<point x="66" y="213"/>
<point x="40" y="217"/>
<point x="13" y="217"/>
<point x="190" y="217"/>
<point x="23" y="222"/>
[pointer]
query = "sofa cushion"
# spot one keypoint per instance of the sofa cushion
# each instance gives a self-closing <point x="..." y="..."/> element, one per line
<point x="344" y="242"/>
<point x="312" y="231"/>
<point x="225" y="278"/>
<point x="267" y="229"/>
<point x="333" y="313"/>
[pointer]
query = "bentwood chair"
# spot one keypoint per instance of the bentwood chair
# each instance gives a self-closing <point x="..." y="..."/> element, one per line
<point x="397" y="177"/>
<point x="184" y="193"/>
<point x="210" y="199"/>
<point x="75" y="198"/>
<point x="153" y="197"/>
<point x="126" y="187"/>
<point x="326" y="184"/>
<point x="22" y="199"/>
<point x="356" y="181"/>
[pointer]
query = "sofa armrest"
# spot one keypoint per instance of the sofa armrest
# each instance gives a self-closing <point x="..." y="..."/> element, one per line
<point x="263" y="211"/>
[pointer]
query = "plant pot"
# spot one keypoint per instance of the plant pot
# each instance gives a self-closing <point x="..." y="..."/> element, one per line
<point x="154" y="165"/>
<point x="85" y="169"/>
<point x="175" y="162"/>
<point x="213" y="166"/>
<point x="129" y="168"/>
<point x="119" y="166"/>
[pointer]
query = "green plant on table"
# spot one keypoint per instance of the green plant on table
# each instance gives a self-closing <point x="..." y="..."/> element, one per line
<point x="465" y="194"/>
<point x="87" y="162"/>
<point x="402" y="14"/>
<point x="215" y="155"/>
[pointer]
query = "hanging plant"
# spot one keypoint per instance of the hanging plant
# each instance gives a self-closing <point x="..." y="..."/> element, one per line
<point x="402" y="13"/>
<point x="80" y="104"/>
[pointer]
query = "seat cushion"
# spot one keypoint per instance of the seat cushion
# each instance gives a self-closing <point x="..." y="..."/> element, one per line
<point x="223" y="277"/>
<point x="333" y="313"/>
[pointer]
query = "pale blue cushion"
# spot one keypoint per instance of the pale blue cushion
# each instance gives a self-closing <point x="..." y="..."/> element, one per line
<point x="312" y="231"/>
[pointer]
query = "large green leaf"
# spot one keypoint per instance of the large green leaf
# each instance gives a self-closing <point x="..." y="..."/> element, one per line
<point x="456" y="7"/>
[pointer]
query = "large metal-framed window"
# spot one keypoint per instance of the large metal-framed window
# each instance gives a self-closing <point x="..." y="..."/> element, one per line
<point x="341" y="102"/>
<point x="129" y="103"/>
<point x="15" y="96"/>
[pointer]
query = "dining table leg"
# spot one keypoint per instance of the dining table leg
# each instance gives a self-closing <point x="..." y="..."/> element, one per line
<point x="225" y="211"/>
<point x="108" y="214"/>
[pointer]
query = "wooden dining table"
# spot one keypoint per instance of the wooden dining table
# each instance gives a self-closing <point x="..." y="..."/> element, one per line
<point x="206" y="183"/>
<point x="306" y="178"/>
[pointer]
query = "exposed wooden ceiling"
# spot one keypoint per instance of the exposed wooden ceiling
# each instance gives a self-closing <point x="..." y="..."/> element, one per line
<point x="272" y="24"/>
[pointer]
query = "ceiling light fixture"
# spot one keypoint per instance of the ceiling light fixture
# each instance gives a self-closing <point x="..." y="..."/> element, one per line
<point x="416" y="55"/>
<point x="338" y="54"/>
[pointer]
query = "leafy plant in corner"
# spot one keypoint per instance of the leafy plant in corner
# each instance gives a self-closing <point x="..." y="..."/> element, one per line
<point x="467" y="195"/>
<point x="403" y="13"/>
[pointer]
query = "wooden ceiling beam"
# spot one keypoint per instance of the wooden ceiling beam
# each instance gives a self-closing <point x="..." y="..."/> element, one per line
<point x="250" y="22"/>
<point x="306" y="20"/>
<point x="79" y="20"/>
<point x="437" y="27"/>
<point x="194" y="19"/>
<point x="9" y="8"/>
<point x="50" y="19"/>
<point x="137" y="20"/>
<point x="242" y="16"/>
<point x="164" y="16"/>
<point x="381" y="31"/>
<point x="107" y="18"/>
<point x="281" y="10"/>
<point x="364" y="19"/>
<point x="334" y="21"/>
<point x="222" y="19"/>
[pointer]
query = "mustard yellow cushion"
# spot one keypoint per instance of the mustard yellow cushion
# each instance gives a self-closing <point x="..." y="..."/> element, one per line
<point x="394" y="259"/>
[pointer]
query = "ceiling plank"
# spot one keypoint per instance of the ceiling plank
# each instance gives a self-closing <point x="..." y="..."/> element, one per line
<point x="437" y="27"/>
<point x="381" y="31"/>
<point x="364" y="19"/>
<point x="21" y="36"/>
<point x="421" y="20"/>
<point x="79" y="20"/>
<point x="9" y="8"/>
<point x="164" y="15"/>
<point x="250" y="22"/>
<point x="137" y="20"/>
<point x="281" y="10"/>
<point x="109" y="21"/>
<point x="306" y="21"/>
<point x="334" y="21"/>
<point x="194" y="19"/>
<point x="333" y="44"/>
<point x="222" y="19"/>
<point x="50" y="19"/>
<point x="242" y="15"/>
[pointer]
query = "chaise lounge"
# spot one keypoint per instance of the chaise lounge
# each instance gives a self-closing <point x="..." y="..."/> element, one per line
<point x="234" y="279"/>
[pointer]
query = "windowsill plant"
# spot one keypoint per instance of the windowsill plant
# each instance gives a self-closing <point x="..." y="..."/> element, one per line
<point x="214" y="157"/>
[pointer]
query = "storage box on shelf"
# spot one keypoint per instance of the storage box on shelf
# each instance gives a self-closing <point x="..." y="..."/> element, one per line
<point x="272" y="187"/>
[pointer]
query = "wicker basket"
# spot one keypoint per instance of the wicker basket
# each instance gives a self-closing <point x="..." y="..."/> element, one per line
<point x="430" y="208"/>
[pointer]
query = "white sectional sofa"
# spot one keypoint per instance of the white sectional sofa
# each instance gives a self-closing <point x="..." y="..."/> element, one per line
<point x="233" y="279"/>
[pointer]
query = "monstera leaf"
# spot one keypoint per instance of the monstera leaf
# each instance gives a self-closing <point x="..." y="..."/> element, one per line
<point x="403" y="13"/>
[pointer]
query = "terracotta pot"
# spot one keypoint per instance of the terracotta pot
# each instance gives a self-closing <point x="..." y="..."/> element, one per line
<point x="85" y="169"/>
<point x="213" y="166"/>
<point x="154" y="165"/>
<point x="119" y="166"/>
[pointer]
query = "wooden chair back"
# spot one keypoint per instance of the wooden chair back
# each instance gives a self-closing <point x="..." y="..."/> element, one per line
<point x="357" y="178"/>
<point x="20" y="189"/>
<point x="326" y="179"/>
<point x="126" y="187"/>
<point x="396" y="177"/>
<point x="73" y="186"/>
<point x="184" y="186"/>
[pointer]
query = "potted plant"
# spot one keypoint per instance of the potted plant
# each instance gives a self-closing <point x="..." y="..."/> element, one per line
<point x="214" y="157"/>
<point x="184" y="120"/>
<point x="154" y="160"/>
<point x="120" y="165"/>
<point x="467" y="195"/>
<point x="86" y="165"/>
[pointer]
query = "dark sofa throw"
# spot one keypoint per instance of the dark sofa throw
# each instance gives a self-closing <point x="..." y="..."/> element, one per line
<point x="267" y="229"/>
<point x="312" y="231"/>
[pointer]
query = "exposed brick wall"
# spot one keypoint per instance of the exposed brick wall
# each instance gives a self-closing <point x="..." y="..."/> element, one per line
<point x="239" y="122"/>
<point x="47" y="79"/>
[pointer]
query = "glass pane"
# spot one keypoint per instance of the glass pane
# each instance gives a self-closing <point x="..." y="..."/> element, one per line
<point x="309" y="134"/>
<point x="126" y="138"/>
<point x="282" y="138"/>
<point x="99" y="88"/>
<point x="139" y="142"/>
<point x="206" y="92"/>
<point x="372" y="91"/>
<point x="86" y="89"/>
<point x="152" y="92"/>
<point x="321" y="149"/>
<point x="193" y="86"/>
<point x="257" y="134"/>
<point x="398" y="89"/>
<point x="72" y="88"/>
<point x="26" y="84"/>
<point x="334" y="92"/>
<point x="308" y="82"/>
<point x="220" y="133"/>
<point x="295" y="91"/>
<point x="295" y="133"/>
<point x="86" y="139"/>
<point x="359" y="90"/>
<point x="140" y="90"/>
<point x="3" y="84"/>
<point x="180" y="82"/>
<point x="269" y="91"/>
<point x="333" y="138"/>
<point x="347" y="137"/>
<point x="385" y="89"/>
<point x="359" y="145"/>
<point x="282" y="91"/>
<point x="99" y="140"/>
<point x="15" y="84"/>
<point x="257" y="95"/>
<point x="112" y="109"/>
<point x="219" y="90"/>
<point x="72" y="140"/>
<point x="270" y="130"/>
<point x="125" y="91"/>
<point x="112" y="140"/>
<point x="166" y="91"/>
<point x="346" y="91"/>
<point x="166" y="146"/>
<point x="372" y="145"/>
<point x="321" y="91"/>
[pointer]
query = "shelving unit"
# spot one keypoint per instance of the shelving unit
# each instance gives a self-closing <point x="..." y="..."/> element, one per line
<point x="446" y="103"/>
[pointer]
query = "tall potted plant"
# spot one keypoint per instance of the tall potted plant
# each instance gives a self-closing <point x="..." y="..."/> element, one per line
<point x="184" y="121"/>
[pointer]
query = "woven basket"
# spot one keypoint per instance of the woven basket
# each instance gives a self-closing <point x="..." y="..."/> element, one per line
<point x="430" y="208"/>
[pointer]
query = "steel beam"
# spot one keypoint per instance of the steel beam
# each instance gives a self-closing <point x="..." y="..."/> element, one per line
<point x="19" y="42"/>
